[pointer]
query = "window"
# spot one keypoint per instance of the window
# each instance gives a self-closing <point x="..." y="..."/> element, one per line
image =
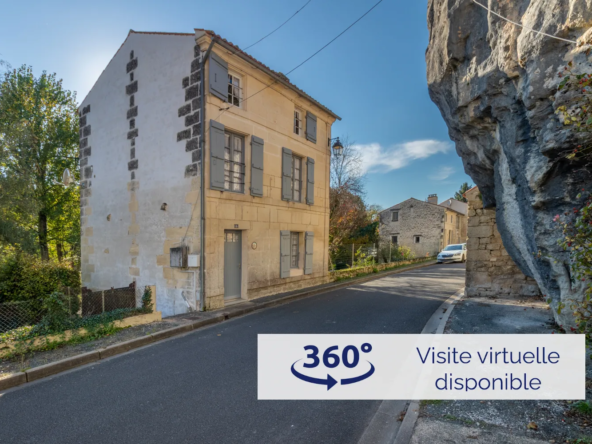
<point x="394" y="216"/>
<point x="234" y="165"/>
<point x="296" y="178"/>
<point x="449" y="236"/>
<point x="416" y="239"/>
<point x="294" y="249"/>
<point x="298" y="127"/>
<point x="394" y="240"/>
<point x="234" y="90"/>
<point x="457" y="222"/>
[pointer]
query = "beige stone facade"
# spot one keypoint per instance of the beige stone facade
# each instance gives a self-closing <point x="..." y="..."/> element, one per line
<point x="491" y="272"/>
<point x="424" y="226"/>
<point x="269" y="116"/>
<point x="165" y="102"/>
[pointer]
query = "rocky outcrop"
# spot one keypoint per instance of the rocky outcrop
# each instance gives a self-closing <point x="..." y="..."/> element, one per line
<point x="496" y="86"/>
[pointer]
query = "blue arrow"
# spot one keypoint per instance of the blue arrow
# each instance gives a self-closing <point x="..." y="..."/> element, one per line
<point x="359" y="378"/>
<point x="329" y="382"/>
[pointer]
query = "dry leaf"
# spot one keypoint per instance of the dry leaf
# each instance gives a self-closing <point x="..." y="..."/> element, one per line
<point x="532" y="426"/>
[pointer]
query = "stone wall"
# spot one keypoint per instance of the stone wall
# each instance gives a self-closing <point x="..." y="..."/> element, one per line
<point x="431" y="222"/>
<point x="491" y="272"/>
<point x="496" y="86"/>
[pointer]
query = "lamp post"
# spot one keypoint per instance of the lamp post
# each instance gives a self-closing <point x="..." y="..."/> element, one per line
<point x="67" y="176"/>
<point x="337" y="147"/>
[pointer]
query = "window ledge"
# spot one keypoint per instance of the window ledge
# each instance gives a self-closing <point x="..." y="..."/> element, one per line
<point x="296" y="272"/>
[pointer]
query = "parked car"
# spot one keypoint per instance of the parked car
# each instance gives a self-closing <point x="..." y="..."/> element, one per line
<point x="453" y="253"/>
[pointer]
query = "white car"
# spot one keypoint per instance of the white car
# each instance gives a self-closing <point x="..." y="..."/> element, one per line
<point x="453" y="253"/>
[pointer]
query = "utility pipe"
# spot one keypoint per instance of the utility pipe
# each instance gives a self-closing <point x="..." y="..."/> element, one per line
<point x="202" y="225"/>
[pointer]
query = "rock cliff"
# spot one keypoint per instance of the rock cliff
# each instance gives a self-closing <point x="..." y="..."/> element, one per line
<point x="496" y="86"/>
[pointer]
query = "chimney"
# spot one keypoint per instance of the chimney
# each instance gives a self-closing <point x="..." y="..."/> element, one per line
<point x="433" y="198"/>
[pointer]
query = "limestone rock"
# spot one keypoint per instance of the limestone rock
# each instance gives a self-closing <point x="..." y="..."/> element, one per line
<point x="496" y="87"/>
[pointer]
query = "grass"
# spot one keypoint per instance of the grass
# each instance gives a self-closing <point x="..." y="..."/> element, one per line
<point x="374" y="271"/>
<point x="583" y="408"/>
<point x="23" y="349"/>
<point x="430" y="402"/>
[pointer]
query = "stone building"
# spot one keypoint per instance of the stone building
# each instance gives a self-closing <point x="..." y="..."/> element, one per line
<point x="491" y="272"/>
<point x="191" y="187"/>
<point x="426" y="227"/>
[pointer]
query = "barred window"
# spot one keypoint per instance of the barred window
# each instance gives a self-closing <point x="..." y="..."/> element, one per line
<point x="234" y="165"/>
<point x="294" y="249"/>
<point x="296" y="178"/>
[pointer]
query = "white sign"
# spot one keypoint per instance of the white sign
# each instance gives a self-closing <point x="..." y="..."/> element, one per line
<point x="421" y="367"/>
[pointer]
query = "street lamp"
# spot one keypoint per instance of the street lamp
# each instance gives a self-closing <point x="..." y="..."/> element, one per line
<point x="337" y="147"/>
<point x="67" y="178"/>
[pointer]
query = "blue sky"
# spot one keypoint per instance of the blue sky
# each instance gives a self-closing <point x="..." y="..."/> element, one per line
<point x="373" y="76"/>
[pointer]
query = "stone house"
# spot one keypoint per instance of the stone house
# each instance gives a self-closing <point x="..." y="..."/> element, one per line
<point x="426" y="227"/>
<point x="491" y="272"/>
<point x="188" y="186"/>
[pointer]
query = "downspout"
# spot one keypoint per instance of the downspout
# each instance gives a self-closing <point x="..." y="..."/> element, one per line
<point x="202" y="225"/>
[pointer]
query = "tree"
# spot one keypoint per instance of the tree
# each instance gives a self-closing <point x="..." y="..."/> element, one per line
<point x="463" y="189"/>
<point x="347" y="210"/>
<point x="347" y="215"/>
<point x="38" y="140"/>
<point x="346" y="169"/>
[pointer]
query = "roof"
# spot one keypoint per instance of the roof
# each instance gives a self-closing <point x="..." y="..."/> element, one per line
<point x="455" y="205"/>
<point x="277" y="76"/>
<point x="398" y="206"/>
<point x="471" y="189"/>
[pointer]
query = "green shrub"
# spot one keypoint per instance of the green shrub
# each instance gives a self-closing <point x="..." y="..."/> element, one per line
<point x="25" y="277"/>
<point x="57" y="311"/>
<point x="395" y="253"/>
<point x="147" y="304"/>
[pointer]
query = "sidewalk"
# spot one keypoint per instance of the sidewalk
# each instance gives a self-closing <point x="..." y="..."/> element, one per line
<point x="12" y="372"/>
<point x="485" y="422"/>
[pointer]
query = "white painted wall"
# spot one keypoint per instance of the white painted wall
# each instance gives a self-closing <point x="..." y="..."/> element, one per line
<point x="163" y="61"/>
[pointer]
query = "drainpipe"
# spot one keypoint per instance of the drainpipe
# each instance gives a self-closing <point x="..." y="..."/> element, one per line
<point x="202" y="225"/>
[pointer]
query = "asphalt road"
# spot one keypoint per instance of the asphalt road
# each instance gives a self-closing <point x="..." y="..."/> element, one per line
<point x="202" y="387"/>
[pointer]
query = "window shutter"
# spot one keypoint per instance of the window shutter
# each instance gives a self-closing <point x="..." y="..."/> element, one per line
<point x="310" y="181"/>
<point x="284" y="254"/>
<point x="308" y="249"/>
<point x="216" y="156"/>
<point x="256" y="166"/>
<point x="286" y="174"/>
<point x="311" y="127"/>
<point x="218" y="77"/>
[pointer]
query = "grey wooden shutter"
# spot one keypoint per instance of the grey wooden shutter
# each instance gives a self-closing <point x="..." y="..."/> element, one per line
<point x="216" y="155"/>
<point x="218" y="77"/>
<point x="311" y="127"/>
<point x="284" y="254"/>
<point x="310" y="181"/>
<point x="286" y="174"/>
<point x="308" y="249"/>
<point x="256" y="166"/>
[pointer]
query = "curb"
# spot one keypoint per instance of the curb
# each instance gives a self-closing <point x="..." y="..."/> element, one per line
<point x="63" y="365"/>
<point x="435" y="325"/>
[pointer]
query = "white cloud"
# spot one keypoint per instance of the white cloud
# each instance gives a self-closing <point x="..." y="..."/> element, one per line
<point x="443" y="173"/>
<point x="378" y="159"/>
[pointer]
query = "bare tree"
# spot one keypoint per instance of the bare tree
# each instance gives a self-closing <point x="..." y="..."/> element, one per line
<point x="346" y="169"/>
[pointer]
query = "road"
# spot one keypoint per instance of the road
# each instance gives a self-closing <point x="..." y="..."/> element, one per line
<point x="202" y="387"/>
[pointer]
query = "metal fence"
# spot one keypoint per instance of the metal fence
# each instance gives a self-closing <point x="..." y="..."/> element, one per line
<point x="18" y="314"/>
<point x="360" y="255"/>
<point x="81" y="302"/>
